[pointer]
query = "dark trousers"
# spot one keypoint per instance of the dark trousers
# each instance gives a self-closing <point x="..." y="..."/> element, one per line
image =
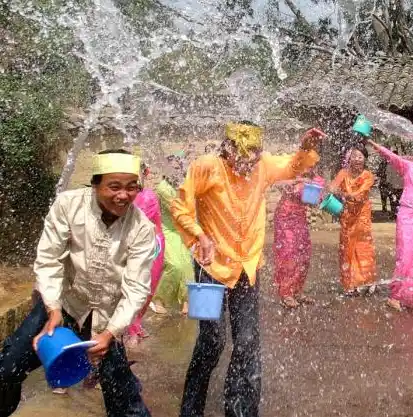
<point x="384" y="195"/>
<point x="121" y="389"/>
<point x="395" y="196"/>
<point x="243" y="382"/>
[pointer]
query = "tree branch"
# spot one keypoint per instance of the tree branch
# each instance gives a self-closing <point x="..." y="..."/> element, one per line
<point x="294" y="33"/>
<point x="314" y="47"/>
<point x="387" y="30"/>
<point x="175" y="12"/>
<point x="357" y="46"/>
<point x="406" y="41"/>
<point x="297" y="12"/>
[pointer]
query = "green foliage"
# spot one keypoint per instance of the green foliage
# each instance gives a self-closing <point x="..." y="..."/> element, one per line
<point x="256" y="56"/>
<point x="146" y="16"/>
<point x="185" y="70"/>
<point x="40" y="77"/>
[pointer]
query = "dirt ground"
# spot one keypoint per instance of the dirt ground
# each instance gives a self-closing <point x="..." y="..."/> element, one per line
<point x="16" y="284"/>
<point x="341" y="357"/>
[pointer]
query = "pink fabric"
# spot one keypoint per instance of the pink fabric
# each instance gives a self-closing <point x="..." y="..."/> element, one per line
<point x="403" y="274"/>
<point x="148" y="202"/>
<point x="402" y="290"/>
<point x="292" y="244"/>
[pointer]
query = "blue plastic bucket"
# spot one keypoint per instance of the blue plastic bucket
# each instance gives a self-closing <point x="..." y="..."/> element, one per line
<point x="205" y="301"/>
<point x="311" y="194"/>
<point x="362" y="126"/>
<point x="332" y="205"/>
<point x="63" y="366"/>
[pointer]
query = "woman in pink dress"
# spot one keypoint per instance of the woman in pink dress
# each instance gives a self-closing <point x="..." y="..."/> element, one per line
<point x="402" y="285"/>
<point x="292" y="243"/>
<point x="148" y="202"/>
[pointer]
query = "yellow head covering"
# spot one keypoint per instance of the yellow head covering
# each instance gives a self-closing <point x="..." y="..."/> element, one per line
<point x="244" y="136"/>
<point x="110" y="163"/>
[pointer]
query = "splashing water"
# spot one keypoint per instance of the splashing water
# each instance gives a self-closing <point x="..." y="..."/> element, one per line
<point x="117" y="58"/>
<point x="112" y="55"/>
<point x="326" y="95"/>
<point x="249" y="95"/>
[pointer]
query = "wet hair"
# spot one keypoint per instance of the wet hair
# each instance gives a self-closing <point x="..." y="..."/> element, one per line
<point x="97" y="179"/>
<point x="223" y="153"/>
<point x="248" y="123"/>
<point x="361" y="148"/>
<point x="210" y="147"/>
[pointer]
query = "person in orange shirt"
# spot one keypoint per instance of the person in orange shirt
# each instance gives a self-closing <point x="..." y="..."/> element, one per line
<point x="220" y="213"/>
<point x="357" y="255"/>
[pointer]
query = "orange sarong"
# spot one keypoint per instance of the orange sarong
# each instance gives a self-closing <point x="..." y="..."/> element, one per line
<point x="357" y="255"/>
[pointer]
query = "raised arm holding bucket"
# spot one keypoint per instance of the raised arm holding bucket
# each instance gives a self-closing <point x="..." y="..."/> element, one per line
<point x="220" y="210"/>
<point x="357" y="255"/>
<point x="401" y="293"/>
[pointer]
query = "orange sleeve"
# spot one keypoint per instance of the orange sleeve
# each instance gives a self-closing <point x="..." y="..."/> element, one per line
<point x="338" y="180"/>
<point x="183" y="208"/>
<point x="362" y="194"/>
<point x="288" y="166"/>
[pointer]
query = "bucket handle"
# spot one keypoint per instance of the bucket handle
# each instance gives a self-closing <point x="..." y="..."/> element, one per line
<point x="201" y="268"/>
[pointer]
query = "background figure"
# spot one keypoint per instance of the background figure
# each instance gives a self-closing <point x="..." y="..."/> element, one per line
<point x="147" y="201"/>
<point x="383" y="185"/>
<point x="178" y="266"/>
<point x="210" y="147"/>
<point x="357" y="257"/>
<point x="395" y="183"/>
<point x="292" y="243"/>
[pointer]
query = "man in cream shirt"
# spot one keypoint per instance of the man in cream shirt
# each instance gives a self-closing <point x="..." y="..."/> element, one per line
<point x="93" y="274"/>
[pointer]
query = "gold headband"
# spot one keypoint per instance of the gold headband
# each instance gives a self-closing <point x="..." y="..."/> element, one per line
<point x="110" y="163"/>
<point x="245" y="137"/>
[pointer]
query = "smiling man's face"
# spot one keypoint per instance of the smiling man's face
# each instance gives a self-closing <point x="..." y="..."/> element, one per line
<point x="116" y="192"/>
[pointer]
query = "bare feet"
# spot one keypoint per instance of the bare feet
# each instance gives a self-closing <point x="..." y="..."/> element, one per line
<point x="60" y="391"/>
<point x="289" y="302"/>
<point x="184" y="310"/>
<point x="366" y="290"/>
<point x="159" y="308"/>
<point x="395" y="304"/>
<point x="131" y="342"/>
<point x="91" y="381"/>
<point x="304" y="299"/>
<point x="351" y="293"/>
<point x="372" y="289"/>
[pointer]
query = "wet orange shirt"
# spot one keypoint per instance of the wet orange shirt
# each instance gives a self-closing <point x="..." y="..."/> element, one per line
<point x="357" y="256"/>
<point x="231" y="209"/>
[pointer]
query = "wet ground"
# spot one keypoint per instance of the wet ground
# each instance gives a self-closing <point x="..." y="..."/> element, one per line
<point x="341" y="357"/>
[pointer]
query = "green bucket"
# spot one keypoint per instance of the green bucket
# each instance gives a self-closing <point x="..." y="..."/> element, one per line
<point x="362" y="126"/>
<point x="332" y="205"/>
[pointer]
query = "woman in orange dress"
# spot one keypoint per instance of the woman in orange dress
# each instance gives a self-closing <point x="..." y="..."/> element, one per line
<point x="357" y="258"/>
